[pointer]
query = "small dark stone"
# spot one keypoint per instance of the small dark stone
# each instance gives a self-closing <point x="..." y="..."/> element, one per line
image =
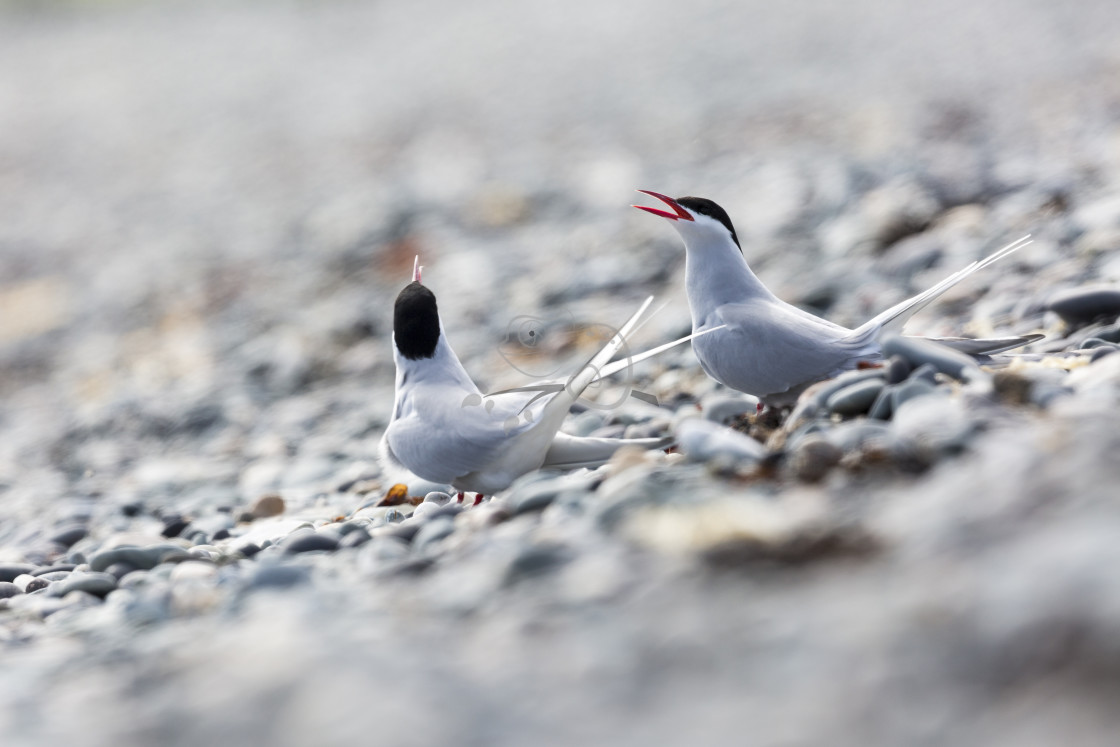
<point x="248" y="549"/>
<point x="308" y="541"/>
<point x="69" y="535"/>
<point x="8" y="589"/>
<point x="132" y="509"/>
<point x="174" y="525"/>
<point x="9" y="571"/>
<point x="36" y="584"/>
<point x="221" y="534"/>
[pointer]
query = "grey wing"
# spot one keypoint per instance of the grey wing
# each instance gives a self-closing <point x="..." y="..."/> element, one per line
<point x="454" y="433"/>
<point x="785" y="346"/>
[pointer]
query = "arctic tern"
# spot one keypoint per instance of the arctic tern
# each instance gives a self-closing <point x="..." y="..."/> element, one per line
<point x="443" y="429"/>
<point x="767" y="347"/>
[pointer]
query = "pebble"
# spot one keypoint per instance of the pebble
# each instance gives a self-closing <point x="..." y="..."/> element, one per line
<point x="1079" y="306"/>
<point x="814" y="457"/>
<point x="277" y="576"/>
<point x="855" y="399"/>
<point x="193" y="570"/>
<point x="9" y="571"/>
<point x="309" y="541"/>
<point x="143" y="558"/>
<point x="703" y="440"/>
<point x="91" y="582"/>
<point x="174" y="525"/>
<point x="68" y="536"/>
<point x="270" y="504"/>
<point x="437" y="497"/>
<point x="9" y="589"/>
<point x="424" y="509"/>
<point x="724" y="408"/>
<point x="898" y="368"/>
<point x="918" y="352"/>
<point x="909" y="390"/>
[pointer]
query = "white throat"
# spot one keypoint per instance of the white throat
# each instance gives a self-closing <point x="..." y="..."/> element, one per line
<point x="716" y="273"/>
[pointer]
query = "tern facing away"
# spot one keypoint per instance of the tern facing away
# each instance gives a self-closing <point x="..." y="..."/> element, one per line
<point x="770" y="348"/>
<point x="444" y="430"/>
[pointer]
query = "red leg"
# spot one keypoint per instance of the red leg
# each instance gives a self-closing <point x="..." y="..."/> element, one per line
<point x="758" y="408"/>
<point x="478" y="499"/>
<point x="459" y="498"/>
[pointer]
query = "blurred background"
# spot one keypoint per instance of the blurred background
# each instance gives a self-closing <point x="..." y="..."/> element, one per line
<point x="207" y="208"/>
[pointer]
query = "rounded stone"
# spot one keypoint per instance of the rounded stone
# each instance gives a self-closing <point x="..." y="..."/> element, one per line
<point x="8" y="589"/>
<point x="143" y="558"/>
<point x="307" y="541"/>
<point x="89" y="582"/>
<point x="270" y="504"/>
<point x="1078" y="306"/>
<point x="35" y="584"/>
<point x="437" y="497"/>
<point x="69" y="535"/>
<point x="813" y="458"/>
<point x="855" y="399"/>
<point x="898" y="368"/>
<point x="278" y="576"/>
<point x="9" y="571"/>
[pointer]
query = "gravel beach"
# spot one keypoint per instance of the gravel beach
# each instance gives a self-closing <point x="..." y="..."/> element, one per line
<point x="207" y="209"/>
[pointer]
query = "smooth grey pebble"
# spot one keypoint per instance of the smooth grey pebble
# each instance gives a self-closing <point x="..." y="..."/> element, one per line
<point x="437" y="497"/>
<point x="9" y="571"/>
<point x="91" y="582"/>
<point x="855" y="399"/>
<point x="69" y="535"/>
<point x="278" y="576"/>
<point x="309" y="541"/>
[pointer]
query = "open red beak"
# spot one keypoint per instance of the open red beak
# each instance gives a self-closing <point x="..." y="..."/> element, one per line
<point x="416" y="268"/>
<point x="678" y="213"/>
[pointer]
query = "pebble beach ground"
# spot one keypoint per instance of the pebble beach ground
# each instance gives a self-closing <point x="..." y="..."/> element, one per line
<point x="207" y="209"/>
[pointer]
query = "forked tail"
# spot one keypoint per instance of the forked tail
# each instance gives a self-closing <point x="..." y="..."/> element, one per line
<point x="894" y="318"/>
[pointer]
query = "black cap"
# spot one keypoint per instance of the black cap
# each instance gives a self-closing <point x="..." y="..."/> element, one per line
<point x="416" y="322"/>
<point x="704" y="206"/>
